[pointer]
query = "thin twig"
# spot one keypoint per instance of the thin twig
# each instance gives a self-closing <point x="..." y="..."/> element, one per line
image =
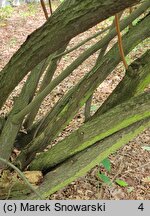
<point x="50" y="7"/>
<point x="44" y="9"/>
<point x="120" y="41"/>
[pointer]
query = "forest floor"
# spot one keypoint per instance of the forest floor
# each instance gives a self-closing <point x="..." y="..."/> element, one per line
<point x="132" y="162"/>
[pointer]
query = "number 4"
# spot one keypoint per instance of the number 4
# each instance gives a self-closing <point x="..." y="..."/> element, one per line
<point x="141" y="207"/>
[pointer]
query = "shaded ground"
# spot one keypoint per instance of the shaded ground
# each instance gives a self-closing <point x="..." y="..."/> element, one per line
<point x="132" y="162"/>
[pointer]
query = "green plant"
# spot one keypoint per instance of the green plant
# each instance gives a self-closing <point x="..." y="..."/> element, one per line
<point x="6" y="12"/>
<point x="105" y="179"/>
<point x="118" y="120"/>
<point x="121" y="183"/>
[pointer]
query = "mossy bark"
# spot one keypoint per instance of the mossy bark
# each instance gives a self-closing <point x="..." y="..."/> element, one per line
<point x="97" y="129"/>
<point x="25" y="139"/>
<point x="45" y="82"/>
<point x="85" y="160"/>
<point x="76" y="97"/>
<point x="10" y="130"/>
<point x="70" y="19"/>
<point x="136" y="79"/>
<point x="75" y="166"/>
<point x="95" y="137"/>
<point x="78" y="61"/>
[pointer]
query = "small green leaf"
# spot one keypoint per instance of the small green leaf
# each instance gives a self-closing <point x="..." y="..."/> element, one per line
<point x="121" y="183"/>
<point x="104" y="178"/>
<point x="107" y="165"/>
<point x="147" y="148"/>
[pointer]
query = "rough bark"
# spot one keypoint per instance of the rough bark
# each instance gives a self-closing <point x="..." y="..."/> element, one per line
<point x="10" y="130"/>
<point x="77" y="62"/>
<point x="97" y="74"/>
<point x="46" y="81"/>
<point x="95" y="130"/>
<point x="136" y="79"/>
<point x="81" y="163"/>
<point x="88" y="103"/>
<point x="25" y="139"/>
<point x="72" y="17"/>
<point x="79" y="94"/>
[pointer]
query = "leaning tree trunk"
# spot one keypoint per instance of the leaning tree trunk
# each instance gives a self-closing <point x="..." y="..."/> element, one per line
<point x="52" y="36"/>
<point x="122" y="116"/>
<point x="81" y="163"/>
<point x="67" y="108"/>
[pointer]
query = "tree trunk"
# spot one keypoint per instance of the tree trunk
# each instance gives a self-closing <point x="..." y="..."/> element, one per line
<point x="136" y="79"/>
<point x="52" y="36"/>
<point x="77" y="96"/>
<point x="95" y="130"/>
<point x="85" y="160"/>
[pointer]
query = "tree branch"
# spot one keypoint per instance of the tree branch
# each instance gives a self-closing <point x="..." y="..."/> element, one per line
<point x="81" y="163"/>
<point x="52" y="36"/>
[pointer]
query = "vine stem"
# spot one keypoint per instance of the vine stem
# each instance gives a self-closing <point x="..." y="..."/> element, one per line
<point x="120" y="41"/>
